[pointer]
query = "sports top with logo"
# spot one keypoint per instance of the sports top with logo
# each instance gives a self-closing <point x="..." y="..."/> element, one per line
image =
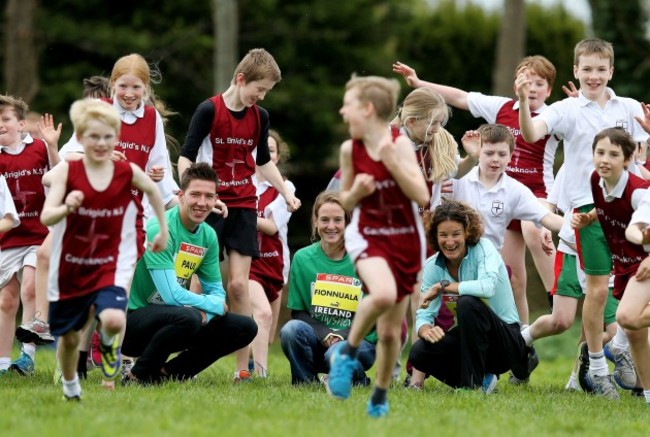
<point x="23" y="172"/>
<point x="386" y="224"/>
<point x="507" y="200"/>
<point x="230" y="151"/>
<point x="94" y="247"/>
<point x="614" y="214"/>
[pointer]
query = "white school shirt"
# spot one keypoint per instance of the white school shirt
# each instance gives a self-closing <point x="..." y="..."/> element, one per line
<point x="577" y="120"/>
<point x="7" y="203"/>
<point x="507" y="200"/>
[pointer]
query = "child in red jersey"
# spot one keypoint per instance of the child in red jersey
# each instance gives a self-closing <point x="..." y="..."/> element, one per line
<point x="230" y="132"/>
<point x="382" y="185"/>
<point x="93" y="249"/>
<point x="270" y="271"/>
<point x="23" y="162"/>
<point x="617" y="193"/>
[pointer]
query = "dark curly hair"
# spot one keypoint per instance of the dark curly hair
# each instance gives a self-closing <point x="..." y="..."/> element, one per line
<point x="456" y="211"/>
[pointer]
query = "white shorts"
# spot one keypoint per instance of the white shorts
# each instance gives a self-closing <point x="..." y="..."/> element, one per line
<point x="13" y="260"/>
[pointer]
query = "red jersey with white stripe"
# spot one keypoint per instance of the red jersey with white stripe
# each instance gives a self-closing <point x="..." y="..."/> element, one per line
<point x="531" y="163"/>
<point x="386" y="223"/>
<point x="614" y="216"/>
<point x="233" y="143"/>
<point x="270" y="264"/>
<point x="23" y="173"/>
<point x="94" y="247"/>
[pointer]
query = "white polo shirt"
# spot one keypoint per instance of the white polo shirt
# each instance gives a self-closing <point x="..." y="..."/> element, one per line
<point x="577" y="121"/>
<point x="506" y="201"/>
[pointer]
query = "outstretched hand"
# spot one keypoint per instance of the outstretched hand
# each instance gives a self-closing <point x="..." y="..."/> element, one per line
<point x="580" y="220"/>
<point x="407" y="73"/>
<point x="47" y="130"/>
<point x="471" y="142"/>
<point x="645" y="120"/>
<point x="570" y="89"/>
<point x="522" y="84"/>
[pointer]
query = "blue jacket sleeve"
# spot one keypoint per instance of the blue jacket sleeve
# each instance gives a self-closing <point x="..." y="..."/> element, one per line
<point x="172" y="293"/>
<point x="486" y="261"/>
<point x="431" y="274"/>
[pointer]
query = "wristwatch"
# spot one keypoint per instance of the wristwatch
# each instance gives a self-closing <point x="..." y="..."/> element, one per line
<point x="444" y="283"/>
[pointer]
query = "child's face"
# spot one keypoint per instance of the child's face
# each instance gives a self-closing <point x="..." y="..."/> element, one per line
<point x="494" y="158"/>
<point x="252" y="92"/>
<point x="593" y="73"/>
<point x="538" y="91"/>
<point x="273" y="150"/>
<point x="128" y="90"/>
<point x="98" y="141"/>
<point x="354" y="113"/>
<point x="609" y="161"/>
<point x="422" y="129"/>
<point x="11" y="128"/>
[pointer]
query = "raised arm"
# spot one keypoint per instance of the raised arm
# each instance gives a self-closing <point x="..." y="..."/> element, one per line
<point x="453" y="96"/>
<point x="531" y="130"/>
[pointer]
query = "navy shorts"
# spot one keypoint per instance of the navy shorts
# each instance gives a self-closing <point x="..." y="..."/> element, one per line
<point x="72" y="314"/>
<point x="237" y="232"/>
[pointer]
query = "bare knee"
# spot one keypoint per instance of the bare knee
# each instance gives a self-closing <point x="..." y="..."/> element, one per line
<point x="627" y="320"/>
<point x="112" y="321"/>
<point x="9" y="300"/>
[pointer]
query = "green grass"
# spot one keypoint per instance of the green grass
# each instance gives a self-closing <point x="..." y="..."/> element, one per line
<point x="212" y="405"/>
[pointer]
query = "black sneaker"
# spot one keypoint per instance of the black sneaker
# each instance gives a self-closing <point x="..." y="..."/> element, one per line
<point x="583" y="369"/>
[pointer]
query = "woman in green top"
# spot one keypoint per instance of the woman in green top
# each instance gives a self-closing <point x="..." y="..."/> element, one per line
<point x="323" y="295"/>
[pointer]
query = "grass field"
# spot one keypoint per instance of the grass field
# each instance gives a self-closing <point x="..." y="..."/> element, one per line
<point x="212" y="405"/>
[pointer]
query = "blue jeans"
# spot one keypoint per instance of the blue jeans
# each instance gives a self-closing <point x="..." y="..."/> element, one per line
<point x="308" y="356"/>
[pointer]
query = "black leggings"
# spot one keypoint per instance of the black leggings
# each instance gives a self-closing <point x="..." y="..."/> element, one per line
<point x="156" y="331"/>
<point x="480" y="343"/>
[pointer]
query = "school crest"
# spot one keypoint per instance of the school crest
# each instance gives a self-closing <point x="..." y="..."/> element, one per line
<point x="497" y="207"/>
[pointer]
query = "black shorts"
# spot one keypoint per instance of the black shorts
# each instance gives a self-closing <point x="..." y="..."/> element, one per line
<point x="72" y="314"/>
<point x="236" y="232"/>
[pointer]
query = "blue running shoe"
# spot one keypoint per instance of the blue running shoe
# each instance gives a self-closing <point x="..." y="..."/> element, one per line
<point x="342" y="367"/>
<point x="23" y="365"/>
<point x="111" y="359"/>
<point x="624" y="370"/>
<point x="379" y="410"/>
<point x="489" y="383"/>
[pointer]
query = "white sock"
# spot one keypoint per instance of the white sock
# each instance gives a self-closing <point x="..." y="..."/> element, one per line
<point x="527" y="337"/>
<point x="646" y="393"/>
<point x="620" y="339"/>
<point x="105" y="338"/>
<point x="29" y="349"/>
<point x="71" y="388"/>
<point x="598" y="364"/>
<point x="5" y="362"/>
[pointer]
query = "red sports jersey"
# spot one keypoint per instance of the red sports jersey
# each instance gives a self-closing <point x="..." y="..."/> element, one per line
<point x="386" y="224"/>
<point x="270" y="264"/>
<point x="23" y="173"/>
<point x="136" y="142"/>
<point x="614" y="217"/>
<point x="94" y="247"/>
<point x="531" y="164"/>
<point x="233" y="142"/>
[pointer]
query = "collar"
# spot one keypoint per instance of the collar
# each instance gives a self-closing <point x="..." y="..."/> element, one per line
<point x="583" y="101"/>
<point x="26" y="139"/>
<point x="473" y="177"/>
<point x="129" y="117"/>
<point x="617" y="192"/>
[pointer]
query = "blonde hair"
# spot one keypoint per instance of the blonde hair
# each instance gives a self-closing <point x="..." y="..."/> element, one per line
<point x="380" y="92"/>
<point x="258" y="64"/>
<point x="427" y="104"/>
<point x="85" y="110"/>
<point x="443" y="150"/>
<point x="593" y="46"/>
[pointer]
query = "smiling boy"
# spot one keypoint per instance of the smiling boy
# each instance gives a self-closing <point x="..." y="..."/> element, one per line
<point x="577" y="121"/>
